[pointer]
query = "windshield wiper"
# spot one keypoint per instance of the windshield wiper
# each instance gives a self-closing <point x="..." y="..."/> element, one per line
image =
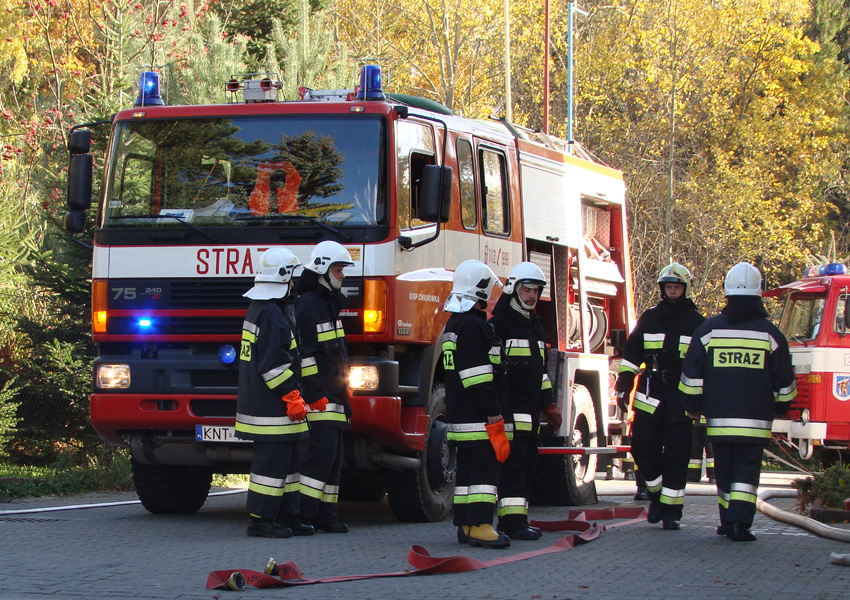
<point x="799" y="339"/>
<point x="279" y="217"/>
<point x="177" y="218"/>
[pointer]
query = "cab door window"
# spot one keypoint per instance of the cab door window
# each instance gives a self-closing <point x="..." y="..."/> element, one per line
<point x="494" y="188"/>
<point x="466" y="183"/>
<point x="415" y="143"/>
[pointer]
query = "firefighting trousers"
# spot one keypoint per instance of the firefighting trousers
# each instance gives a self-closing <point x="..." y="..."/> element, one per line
<point x="476" y="484"/>
<point x="273" y="487"/>
<point x="321" y="470"/>
<point x="737" y="468"/>
<point x="700" y="446"/>
<point x="515" y="478"/>
<point x="661" y="449"/>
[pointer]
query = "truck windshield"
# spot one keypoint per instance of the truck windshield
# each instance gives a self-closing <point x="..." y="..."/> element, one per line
<point x="236" y="172"/>
<point x="801" y="319"/>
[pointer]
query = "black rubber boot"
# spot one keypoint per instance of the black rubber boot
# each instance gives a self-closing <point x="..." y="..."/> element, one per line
<point x="267" y="528"/>
<point x="739" y="532"/>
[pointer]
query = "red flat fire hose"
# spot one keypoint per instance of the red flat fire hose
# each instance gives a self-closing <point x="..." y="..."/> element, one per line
<point x="581" y="523"/>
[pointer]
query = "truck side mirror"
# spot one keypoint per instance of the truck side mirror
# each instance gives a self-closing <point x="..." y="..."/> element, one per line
<point x="79" y="142"/>
<point x="75" y="221"/>
<point x="80" y="182"/>
<point x="435" y="185"/>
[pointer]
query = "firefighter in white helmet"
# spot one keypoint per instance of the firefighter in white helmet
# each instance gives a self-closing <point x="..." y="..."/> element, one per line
<point x="324" y="372"/>
<point x="661" y="431"/>
<point x="738" y="373"/>
<point x="474" y="404"/>
<point x="269" y="407"/>
<point x="529" y="392"/>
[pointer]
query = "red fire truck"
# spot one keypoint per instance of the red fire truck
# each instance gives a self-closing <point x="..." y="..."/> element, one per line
<point x="816" y="322"/>
<point x="192" y="195"/>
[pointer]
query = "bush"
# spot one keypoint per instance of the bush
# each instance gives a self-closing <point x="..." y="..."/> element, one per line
<point x="823" y="490"/>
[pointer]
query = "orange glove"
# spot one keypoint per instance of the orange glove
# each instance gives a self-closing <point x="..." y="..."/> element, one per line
<point x="296" y="409"/>
<point x="320" y="405"/>
<point x="496" y="433"/>
<point x="553" y="415"/>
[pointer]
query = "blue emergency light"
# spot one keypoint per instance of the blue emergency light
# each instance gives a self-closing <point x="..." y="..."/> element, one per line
<point x="830" y="269"/>
<point x="370" y="84"/>
<point x="149" y="90"/>
<point x="227" y="354"/>
<point x="145" y="323"/>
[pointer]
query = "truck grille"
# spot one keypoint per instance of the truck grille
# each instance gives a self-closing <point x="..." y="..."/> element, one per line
<point x="804" y="390"/>
<point x="210" y="293"/>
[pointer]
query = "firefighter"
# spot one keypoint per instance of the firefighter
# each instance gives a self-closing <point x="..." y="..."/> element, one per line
<point x="661" y="432"/>
<point x="738" y="373"/>
<point x="529" y="392"/>
<point x="324" y="373"/>
<point x="475" y="408"/>
<point x="269" y="407"/>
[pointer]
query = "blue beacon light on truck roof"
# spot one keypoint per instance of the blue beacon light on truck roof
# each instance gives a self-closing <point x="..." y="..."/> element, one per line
<point x="830" y="269"/>
<point x="149" y="90"/>
<point x="371" y="87"/>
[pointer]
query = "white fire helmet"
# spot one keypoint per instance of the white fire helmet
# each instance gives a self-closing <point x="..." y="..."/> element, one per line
<point x="272" y="281"/>
<point x="326" y="254"/>
<point x="524" y="272"/>
<point x="472" y="281"/>
<point x="742" y="280"/>
<point x="676" y="273"/>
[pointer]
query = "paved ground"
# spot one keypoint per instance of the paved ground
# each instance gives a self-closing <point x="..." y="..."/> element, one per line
<point x="123" y="552"/>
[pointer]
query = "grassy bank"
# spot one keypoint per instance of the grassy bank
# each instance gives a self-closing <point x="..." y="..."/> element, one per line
<point x="65" y="477"/>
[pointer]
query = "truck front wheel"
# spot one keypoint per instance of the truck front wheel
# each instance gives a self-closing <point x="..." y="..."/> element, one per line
<point x="171" y="489"/>
<point x="426" y="495"/>
<point x="565" y="479"/>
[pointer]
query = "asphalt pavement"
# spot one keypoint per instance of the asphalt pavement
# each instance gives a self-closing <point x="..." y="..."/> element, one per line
<point x="119" y="551"/>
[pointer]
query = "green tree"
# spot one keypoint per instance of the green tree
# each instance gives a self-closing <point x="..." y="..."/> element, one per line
<point x="308" y="55"/>
<point x="255" y="20"/>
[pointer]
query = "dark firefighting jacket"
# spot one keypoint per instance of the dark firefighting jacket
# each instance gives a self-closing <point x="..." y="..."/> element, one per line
<point x="738" y="373"/>
<point x="474" y="378"/>
<point x="659" y="343"/>
<point x="528" y="388"/>
<point x="324" y="355"/>
<point x="269" y="368"/>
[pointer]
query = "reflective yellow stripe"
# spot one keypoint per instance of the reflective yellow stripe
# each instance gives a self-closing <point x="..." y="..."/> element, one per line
<point x="718" y="342"/>
<point x="297" y="427"/>
<point x="471" y="436"/>
<point x="273" y="383"/>
<point x="739" y="432"/>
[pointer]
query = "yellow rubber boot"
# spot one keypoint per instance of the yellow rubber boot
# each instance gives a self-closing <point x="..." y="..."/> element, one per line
<point x="463" y="534"/>
<point x="484" y="536"/>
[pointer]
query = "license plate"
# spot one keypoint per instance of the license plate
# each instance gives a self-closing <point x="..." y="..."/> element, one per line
<point x="216" y="433"/>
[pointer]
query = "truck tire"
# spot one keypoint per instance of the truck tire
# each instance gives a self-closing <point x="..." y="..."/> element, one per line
<point x="171" y="489"/>
<point x="568" y="480"/>
<point x="426" y="495"/>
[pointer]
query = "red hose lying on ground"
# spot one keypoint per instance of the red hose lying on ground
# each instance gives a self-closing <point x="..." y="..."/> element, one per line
<point x="581" y="523"/>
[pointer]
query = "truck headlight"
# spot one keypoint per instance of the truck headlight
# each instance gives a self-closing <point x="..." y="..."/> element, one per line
<point x="113" y="377"/>
<point x="363" y="378"/>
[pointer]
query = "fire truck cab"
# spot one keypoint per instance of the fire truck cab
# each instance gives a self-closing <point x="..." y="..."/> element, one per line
<point x="816" y="322"/>
<point x="192" y="195"/>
